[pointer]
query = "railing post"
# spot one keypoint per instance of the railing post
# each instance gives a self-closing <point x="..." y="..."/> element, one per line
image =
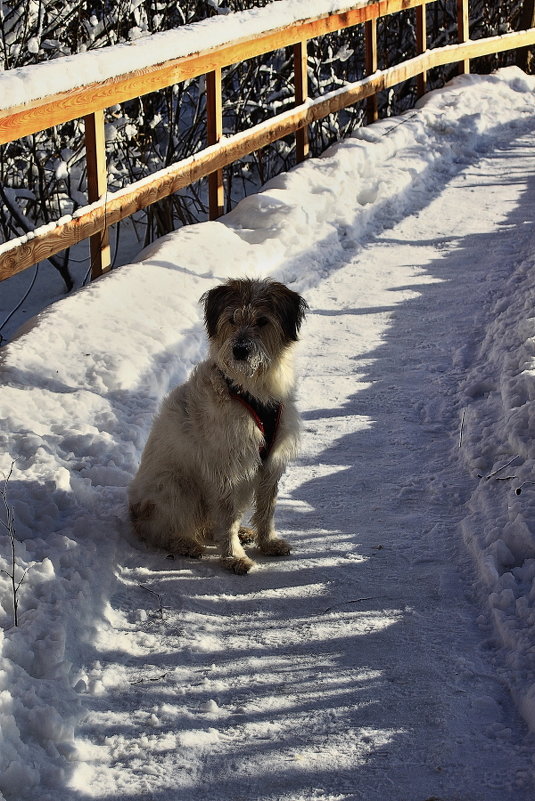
<point x="463" y="21"/>
<point x="525" y="55"/>
<point x="97" y="186"/>
<point x="302" y="145"/>
<point x="214" y="113"/>
<point x="421" y="45"/>
<point x="370" y="34"/>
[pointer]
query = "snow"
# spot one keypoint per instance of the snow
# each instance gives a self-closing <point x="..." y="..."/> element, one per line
<point x="25" y="84"/>
<point x="391" y="656"/>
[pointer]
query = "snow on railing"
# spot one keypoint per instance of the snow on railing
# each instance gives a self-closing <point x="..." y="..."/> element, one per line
<point x="204" y="48"/>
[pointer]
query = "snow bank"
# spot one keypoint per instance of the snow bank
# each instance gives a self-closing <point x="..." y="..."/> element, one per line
<point x="24" y="84"/>
<point x="498" y="446"/>
<point x="81" y="387"/>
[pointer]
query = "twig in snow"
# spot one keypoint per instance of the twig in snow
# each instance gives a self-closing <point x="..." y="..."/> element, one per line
<point x="499" y="470"/>
<point x="9" y="525"/>
<point x="462" y="429"/>
<point x="158" y="596"/>
<point x="150" y="678"/>
<point x="344" y="603"/>
<point x="403" y="122"/>
<point x="518" y="490"/>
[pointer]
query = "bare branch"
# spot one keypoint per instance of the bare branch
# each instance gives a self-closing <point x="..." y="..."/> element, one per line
<point x="9" y="526"/>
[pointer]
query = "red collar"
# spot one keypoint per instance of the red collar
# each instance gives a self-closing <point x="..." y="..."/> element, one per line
<point x="265" y="415"/>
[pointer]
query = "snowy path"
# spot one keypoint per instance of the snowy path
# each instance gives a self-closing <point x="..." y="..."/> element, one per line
<point x="355" y="669"/>
<point x="390" y="657"/>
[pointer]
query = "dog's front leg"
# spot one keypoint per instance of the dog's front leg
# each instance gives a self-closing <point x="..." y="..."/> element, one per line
<point x="226" y="529"/>
<point x="266" y="496"/>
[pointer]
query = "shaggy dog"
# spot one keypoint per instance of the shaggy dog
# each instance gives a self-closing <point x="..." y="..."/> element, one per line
<point x="222" y="439"/>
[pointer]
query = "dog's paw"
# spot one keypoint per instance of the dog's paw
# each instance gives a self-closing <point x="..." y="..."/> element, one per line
<point x="247" y="535"/>
<point x="187" y="548"/>
<point x="238" y="564"/>
<point x="275" y="547"/>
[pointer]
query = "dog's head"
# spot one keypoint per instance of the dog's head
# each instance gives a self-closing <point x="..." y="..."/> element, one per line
<point x="251" y="322"/>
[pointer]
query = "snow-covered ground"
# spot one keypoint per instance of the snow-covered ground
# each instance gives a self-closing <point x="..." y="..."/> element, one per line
<point x="391" y="657"/>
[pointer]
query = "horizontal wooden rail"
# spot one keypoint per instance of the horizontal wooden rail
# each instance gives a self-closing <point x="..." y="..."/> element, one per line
<point x="20" y="253"/>
<point x="57" y="109"/>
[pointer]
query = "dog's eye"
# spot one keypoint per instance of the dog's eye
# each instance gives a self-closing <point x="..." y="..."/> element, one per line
<point x="262" y="321"/>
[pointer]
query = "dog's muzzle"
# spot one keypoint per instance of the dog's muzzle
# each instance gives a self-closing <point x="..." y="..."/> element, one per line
<point x="241" y="350"/>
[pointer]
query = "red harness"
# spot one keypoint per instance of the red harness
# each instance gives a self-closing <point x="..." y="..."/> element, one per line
<point x="265" y="415"/>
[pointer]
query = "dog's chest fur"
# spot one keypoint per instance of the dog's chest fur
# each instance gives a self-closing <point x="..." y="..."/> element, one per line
<point x="207" y="411"/>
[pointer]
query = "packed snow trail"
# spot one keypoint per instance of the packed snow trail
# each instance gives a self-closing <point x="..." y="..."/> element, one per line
<point x="355" y="669"/>
<point x="383" y="660"/>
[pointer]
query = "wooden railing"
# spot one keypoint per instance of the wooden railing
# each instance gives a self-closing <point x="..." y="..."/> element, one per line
<point x="90" y="101"/>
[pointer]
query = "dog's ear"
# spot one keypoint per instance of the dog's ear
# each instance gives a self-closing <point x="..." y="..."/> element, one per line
<point x="215" y="301"/>
<point x="291" y="309"/>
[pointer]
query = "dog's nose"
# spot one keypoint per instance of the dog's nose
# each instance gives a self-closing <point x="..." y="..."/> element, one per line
<point x="241" y="350"/>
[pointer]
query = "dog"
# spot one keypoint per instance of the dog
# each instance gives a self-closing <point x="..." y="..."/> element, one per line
<point x="222" y="440"/>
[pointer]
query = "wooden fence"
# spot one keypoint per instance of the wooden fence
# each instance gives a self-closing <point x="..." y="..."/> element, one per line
<point x="106" y="208"/>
